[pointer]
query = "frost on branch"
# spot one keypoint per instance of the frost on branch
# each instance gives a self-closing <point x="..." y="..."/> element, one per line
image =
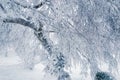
<point x="85" y="32"/>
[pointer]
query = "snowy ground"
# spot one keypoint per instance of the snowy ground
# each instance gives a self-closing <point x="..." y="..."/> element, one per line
<point x="11" y="68"/>
<point x="15" y="72"/>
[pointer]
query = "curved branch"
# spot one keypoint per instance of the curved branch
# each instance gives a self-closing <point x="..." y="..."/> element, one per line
<point x="39" y="5"/>
<point x="34" y="6"/>
<point x="45" y="43"/>
<point x="38" y="31"/>
<point x="21" y="22"/>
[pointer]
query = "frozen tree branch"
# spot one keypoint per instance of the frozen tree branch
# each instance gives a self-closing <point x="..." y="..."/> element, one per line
<point x="84" y="56"/>
<point x="31" y="6"/>
<point x="50" y="31"/>
<point x="21" y="22"/>
<point x="45" y="43"/>
<point x="83" y="30"/>
<point x="1" y="6"/>
<point x="38" y="32"/>
<point x="40" y="4"/>
<point x="24" y="6"/>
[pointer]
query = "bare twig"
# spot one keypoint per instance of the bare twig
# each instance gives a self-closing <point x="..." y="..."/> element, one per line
<point x="1" y="6"/>
<point x="84" y="56"/>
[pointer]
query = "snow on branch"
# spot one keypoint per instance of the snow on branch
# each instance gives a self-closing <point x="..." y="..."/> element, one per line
<point x="40" y="4"/>
<point x="20" y="21"/>
<point x="29" y="6"/>
<point x="38" y="30"/>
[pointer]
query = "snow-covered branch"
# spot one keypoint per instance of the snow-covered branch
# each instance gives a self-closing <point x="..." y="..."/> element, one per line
<point x="31" y="6"/>
<point x="38" y="32"/>
<point x="20" y="21"/>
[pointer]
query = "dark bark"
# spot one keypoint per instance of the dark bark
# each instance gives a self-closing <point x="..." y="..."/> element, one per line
<point x="29" y="6"/>
<point x="21" y="22"/>
<point x="1" y="6"/>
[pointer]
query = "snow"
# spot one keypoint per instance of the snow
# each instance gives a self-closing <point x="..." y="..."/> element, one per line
<point x="86" y="31"/>
<point x="5" y="61"/>
<point x="15" y="72"/>
<point x="11" y="68"/>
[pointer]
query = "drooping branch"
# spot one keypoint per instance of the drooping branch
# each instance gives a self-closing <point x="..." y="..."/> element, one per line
<point x="20" y="21"/>
<point x="37" y="29"/>
<point x="40" y="35"/>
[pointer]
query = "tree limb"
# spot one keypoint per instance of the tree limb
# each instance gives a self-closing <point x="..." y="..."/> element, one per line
<point x="21" y="22"/>
<point x="39" y="5"/>
<point x="45" y="43"/>
<point x="34" y="6"/>
<point x="38" y="31"/>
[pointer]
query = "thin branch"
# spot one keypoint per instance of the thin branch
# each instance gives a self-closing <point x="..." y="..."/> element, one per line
<point x="84" y="56"/>
<point x="1" y="6"/>
<point x="47" y="31"/>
